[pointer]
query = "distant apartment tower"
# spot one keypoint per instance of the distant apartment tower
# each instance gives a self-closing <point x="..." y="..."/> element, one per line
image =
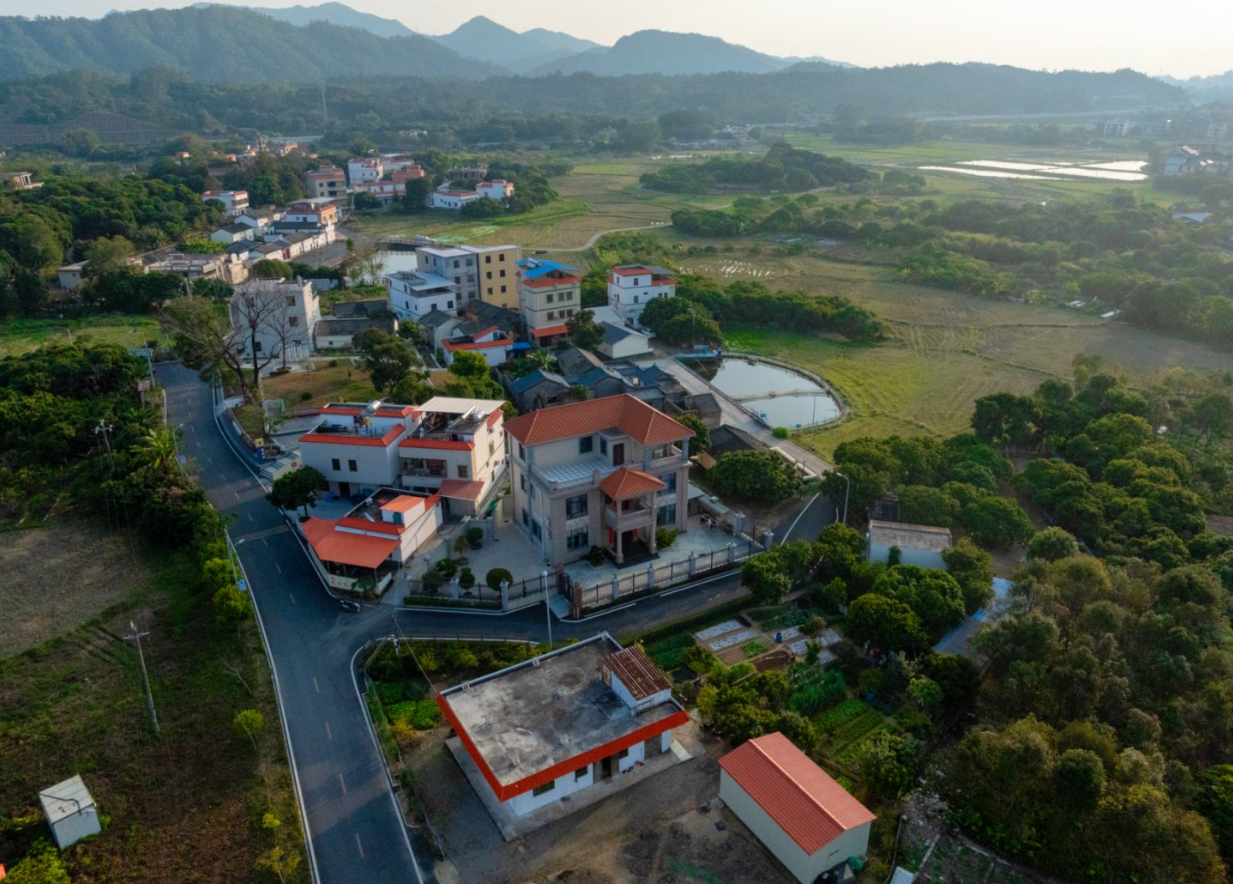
<point x="548" y="295"/>
<point x="632" y="286"/>
<point x="234" y="201"/>
<point x="329" y="182"/>
<point x="486" y="273"/>
<point x="1118" y="128"/>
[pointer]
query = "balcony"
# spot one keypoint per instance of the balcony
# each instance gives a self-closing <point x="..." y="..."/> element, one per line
<point x="633" y="517"/>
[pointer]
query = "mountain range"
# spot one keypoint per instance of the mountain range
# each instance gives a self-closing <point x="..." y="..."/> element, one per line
<point x="483" y="39"/>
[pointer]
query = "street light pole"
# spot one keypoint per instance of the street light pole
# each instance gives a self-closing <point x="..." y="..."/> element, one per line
<point x="145" y="677"/>
<point x="547" y="608"/>
<point x="847" y="491"/>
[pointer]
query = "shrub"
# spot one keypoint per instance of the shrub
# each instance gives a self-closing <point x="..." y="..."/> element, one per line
<point x="466" y="579"/>
<point x="446" y="568"/>
<point x="333" y="363"/>
<point x="665" y="537"/>
<point x="389" y="692"/>
<point x="595" y="557"/>
<point x="306" y="395"/>
<point x="814" y="625"/>
<point x="494" y="578"/>
<point x="420" y="714"/>
<point x="475" y="537"/>
<point x="780" y="432"/>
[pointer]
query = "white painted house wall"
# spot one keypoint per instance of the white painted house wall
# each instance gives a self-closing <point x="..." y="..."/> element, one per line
<point x="805" y="867"/>
<point x="921" y="558"/>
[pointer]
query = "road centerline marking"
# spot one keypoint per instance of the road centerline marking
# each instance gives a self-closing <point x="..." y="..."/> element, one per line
<point x="358" y="845"/>
<point x="343" y="783"/>
<point x="315" y="685"/>
<point x="329" y="735"/>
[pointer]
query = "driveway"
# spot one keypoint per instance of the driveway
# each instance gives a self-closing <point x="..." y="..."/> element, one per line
<point x="355" y="831"/>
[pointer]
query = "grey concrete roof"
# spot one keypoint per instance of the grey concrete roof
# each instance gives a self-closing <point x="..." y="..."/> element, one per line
<point x="529" y="717"/>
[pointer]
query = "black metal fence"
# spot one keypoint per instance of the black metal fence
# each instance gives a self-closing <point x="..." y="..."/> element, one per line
<point x="431" y="592"/>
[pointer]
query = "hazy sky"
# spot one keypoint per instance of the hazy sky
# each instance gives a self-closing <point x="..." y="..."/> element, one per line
<point x="1048" y="34"/>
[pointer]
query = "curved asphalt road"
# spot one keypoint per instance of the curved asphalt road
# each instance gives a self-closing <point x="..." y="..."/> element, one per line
<point x="355" y="830"/>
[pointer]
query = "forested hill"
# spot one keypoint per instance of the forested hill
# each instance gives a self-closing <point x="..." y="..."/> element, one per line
<point x="219" y="44"/>
<point x="165" y="99"/>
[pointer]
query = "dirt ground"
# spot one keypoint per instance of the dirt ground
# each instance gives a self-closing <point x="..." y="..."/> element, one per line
<point x="659" y="831"/>
<point x="58" y="577"/>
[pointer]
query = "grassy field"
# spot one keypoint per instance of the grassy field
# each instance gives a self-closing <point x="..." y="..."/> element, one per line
<point x="60" y="577"/>
<point x="947" y="349"/>
<point x="19" y="336"/>
<point x="184" y="805"/>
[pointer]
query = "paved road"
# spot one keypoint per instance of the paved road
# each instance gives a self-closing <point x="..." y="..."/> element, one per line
<point x="355" y="830"/>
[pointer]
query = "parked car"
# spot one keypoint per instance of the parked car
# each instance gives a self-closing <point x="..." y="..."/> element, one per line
<point x="349" y="605"/>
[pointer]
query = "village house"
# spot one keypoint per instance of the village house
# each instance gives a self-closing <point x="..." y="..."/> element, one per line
<point x="19" y="181"/>
<point x="232" y="233"/>
<point x="1187" y="160"/>
<point x="497" y="189"/>
<point x="807" y="820"/>
<point x="413" y="295"/>
<point x="383" y="191"/>
<point x="260" y="219"/>
<point x="472" y="337"/>
<point x="485" y="273"/>
<point x="327" y="182"/>
<point x="603" y="472"/>
<point x="234" y="201"/>
<point x="554" y="726"/>
<point x="451" y="198"/>
<point x="226" y="267"/>
<point x="920" y="545"/>
<point x="399" y="165"/>
<point x="374" y="540"/>
<point x="318" y="211"/>
<point x="632" y="286"/>
<point x="450" y="447"/>
<point x="548" y="295"/>
<point x="360" y="169"/>
<point x="287" y="312"/>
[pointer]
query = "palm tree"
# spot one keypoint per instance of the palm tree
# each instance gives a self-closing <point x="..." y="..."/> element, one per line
<point x="542" y="359"/>
<point x="158" y="449"/>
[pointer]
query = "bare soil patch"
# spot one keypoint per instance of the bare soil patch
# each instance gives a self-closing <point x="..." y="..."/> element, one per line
<point x="58" y="577"/>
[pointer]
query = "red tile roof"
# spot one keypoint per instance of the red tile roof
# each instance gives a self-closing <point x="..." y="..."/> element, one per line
<point x="460" y="489"/>
<point x="548" y="330"/>
<point x="344" y="548"/>
<point x="630" y="415"/>
<point x="636" y="671"/>
<point x="374" y="526"/>
<point x="811" y="808"/>
<point x="347" y="439"/>
<point x="626" y="483"/>
<point x="402" y="503"/>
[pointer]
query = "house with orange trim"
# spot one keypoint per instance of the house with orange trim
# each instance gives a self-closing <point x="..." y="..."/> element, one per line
<point x="805" y="818"/>
<point x="373" y="540"/>
<point x="450" y="447"/>
<point x="632" y="286"/>
<point x="603" y="472"/>
<point x="548" y="295"/>
<point x="473" y="337"/>
<point x="551" y="727"/>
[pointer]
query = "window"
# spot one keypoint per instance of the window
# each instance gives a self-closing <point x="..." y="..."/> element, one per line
<point x="624" y="753"/>
<point x="503" y="272"/>
<point x="463" y="472"/>
<point x="667" y="515"/>
<point x="581" y="773"/>
<point x="522" y="480"/>
<point x="488" y="275"/>
<point x="635" y="299"/>
<point x="502" y="258"/>
<point x="335" y="464"/>
<point x="586" y="444"/>
<point x="531" y="491"/>
<point x="668" y="479"/>
<point x="351" y="466"/>
<point x="456" y="264"/>
<point x="575" y="506"/>
<point x="290" y="300"/>
<point x="567" y="296"/>
<point x="536" y="532"/>
<point x="544" y="789"/>
<point x="550" y="298"/>
<point x="295" y="320"/>
<point x="522" y="452"/>
<point x="488" y="259"/>
<point x="449" y="305"/>
<point x="502" y="289"/>
<point x="603" y="445"/>
<point x="552" y="314"/>
<point x="578" y="538"/>
<point x="257" y="347"/>
<point x="526" y="518"/>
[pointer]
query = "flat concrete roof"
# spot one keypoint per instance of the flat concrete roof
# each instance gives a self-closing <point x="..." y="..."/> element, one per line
<point x="905" y="535"/>
<point x="529" y="717"/>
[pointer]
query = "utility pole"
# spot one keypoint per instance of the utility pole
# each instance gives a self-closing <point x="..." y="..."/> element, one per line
<point x="325" y="117"/>
<point x="547" y="608"/>
<point x="145" y="676"/>
<point x="103" y="429"/>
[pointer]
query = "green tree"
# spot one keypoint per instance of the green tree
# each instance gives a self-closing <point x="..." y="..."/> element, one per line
<point x="1216" y="803"/>
<point x="767" y="577"/>
<point x="1052" y="544"/>
<point x="925" y="691"/>
<point x="888" y="763"/>
<point x="584" y="331"/>
<point x="249" y="722"/>
<point x="231" y="605"/>
<point x="296" y="489"/>
<point x="997" y="522"/>
<point x="1079" y="779"/>
<point x="272" y="268"/>
<point x="386" y="358"/>
<point x="886" y="623"/>
<point x="755" y="476"/>
<point x="934" y="596"/>
<point x="40" y="867"/>
<point x="972" y="569"/>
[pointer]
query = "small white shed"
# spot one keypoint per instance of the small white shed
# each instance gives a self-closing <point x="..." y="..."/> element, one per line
<point x="920" y="545"/>
<point x="806" y="819"/>
<point x="70" y="811"/>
